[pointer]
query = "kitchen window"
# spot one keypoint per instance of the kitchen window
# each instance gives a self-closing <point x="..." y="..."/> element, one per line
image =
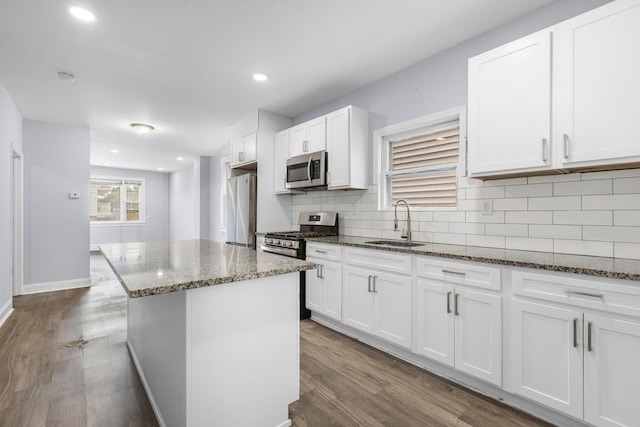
<point x="420" y="161"/>
<point x="116" y="201"/>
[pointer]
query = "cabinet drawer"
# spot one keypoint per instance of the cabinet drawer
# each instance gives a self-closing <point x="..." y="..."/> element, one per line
<point x="318" y="250"/>
<point x="459" y="273"/>
<point x="578" y="291"/>
<point x="379" y="260"/>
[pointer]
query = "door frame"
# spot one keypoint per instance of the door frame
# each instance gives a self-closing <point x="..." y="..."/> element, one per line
<point x="17" y="225"/>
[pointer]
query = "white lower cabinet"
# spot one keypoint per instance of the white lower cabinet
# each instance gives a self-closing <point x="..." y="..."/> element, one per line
<point x="566" y="357"/>
<point x="324" y="290"/>
<point x="461" y="328"/>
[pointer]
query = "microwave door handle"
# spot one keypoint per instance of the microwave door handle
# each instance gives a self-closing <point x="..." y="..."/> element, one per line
<point x="309" y="169"/>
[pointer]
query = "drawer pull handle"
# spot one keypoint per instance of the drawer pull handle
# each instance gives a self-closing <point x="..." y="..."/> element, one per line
<point x="589" y="330"/>
<point x="584" y="294"/>
<point x="318" y="251"/>
<point x="375" y="291"/>
<point x="575" y="332"/>
<point x="455" y="305"/>
<point x="545" y="146"/>
<point x="459" y="273"/>
<point x="449" y="302"/>
<point x="369" y="284"/>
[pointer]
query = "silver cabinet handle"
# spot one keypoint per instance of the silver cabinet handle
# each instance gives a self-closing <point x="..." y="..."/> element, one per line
<point x="589" y="331"/>
<point x="375" y="291"/>
<point x="566" y="145"/>
<point x="459" y="273"/>
<point x="449" y="302"/>
<point x="369" y="284"/>
<point x="305" y="146"/>
<point x="575" y="332"/>
<point x="318" y="274"/>
<point x="318" y="251"/>
<point x="328" y="175"/>
<point x="585" y="294"/>
<point x="322" y="271"/>
<point x="309" y="169"/>
<point x="545" y="147"/>
<point x="455" y="304"/>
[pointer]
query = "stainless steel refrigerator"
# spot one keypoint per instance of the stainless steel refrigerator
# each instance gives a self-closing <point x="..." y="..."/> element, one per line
<point x="241" y="210"/>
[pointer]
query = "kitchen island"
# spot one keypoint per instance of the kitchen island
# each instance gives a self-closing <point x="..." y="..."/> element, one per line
<point x="213" y="330"/>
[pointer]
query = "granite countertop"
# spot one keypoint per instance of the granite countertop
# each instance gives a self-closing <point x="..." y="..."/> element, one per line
<point x="146" y="269"/>
<point x="618" y="268"/>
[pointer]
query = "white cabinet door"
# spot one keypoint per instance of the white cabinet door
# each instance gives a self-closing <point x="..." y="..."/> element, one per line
<point x="237" y="151"/>
<point x="478" y="334"/>
<point x="250" y="147"/>
<point x="308" y="137"/>
<point x="546" y="355"/>
<point x="598" y="64"/>
<point x="509" y="120"/>
<point x="435" y="321"/>
<point x="280" y="156"/>
<point x="338" y="148"/>
<point x="392" y="313"/>
<point x="332" y="285"/>
<point x="611" y="371"/>
<point x="314" y="284"/>
<point x="357" y="298"/>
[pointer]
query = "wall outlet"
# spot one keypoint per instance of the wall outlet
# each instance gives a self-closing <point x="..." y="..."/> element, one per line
<point x="487" y="207"/>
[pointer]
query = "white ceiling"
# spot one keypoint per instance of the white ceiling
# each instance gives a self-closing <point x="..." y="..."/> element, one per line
<point x="185" y="66"/>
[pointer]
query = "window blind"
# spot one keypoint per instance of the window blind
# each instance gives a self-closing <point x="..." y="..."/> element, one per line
<point x="416" y="173"/>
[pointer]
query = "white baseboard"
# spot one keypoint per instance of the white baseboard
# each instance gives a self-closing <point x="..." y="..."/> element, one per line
<point x="5" y="311"/>
<point x="143" y="379"/>
<point x="285" y="424"/>
<point x="35" y="288"/>
<point x="94" y="248"/>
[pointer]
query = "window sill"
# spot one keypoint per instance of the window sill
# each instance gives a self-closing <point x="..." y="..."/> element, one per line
<point x="117" y="224"/>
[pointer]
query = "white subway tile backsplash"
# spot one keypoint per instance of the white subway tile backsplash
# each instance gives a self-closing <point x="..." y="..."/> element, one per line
<point x="614" y="202"/>
<point x="583" y="217"/>
<point x="516" y="230"/>
<point x="529" y="244"/>
<point x="528" y="217"/>
<point x="530" y="190"/>
<point x="626" y="185"/>
<point x="583" y="188"/>
<point x="371" y="215"/>
<point x="486" y="241"/>
<point x="556" y="231"/>
<point x="465" y="182"/>
<point x="434" y="227"/>
<point x="611" y="234"/>
<point x="486" y="193"/>
<point x="568" y="203"/>
<point x="367" y="232"/>
<point x="496" y="217"/>
<point x="449" y="238"/>
<point x="505" y="181"/>
<point x="510" y="204"/>
<point x="553" y="178"/>
<point x="622" y="173"/>
<point x="470" y="205"/>
<point x="449" y="216"/>
<point x="628" y="218"/>
<point x="626" y="250"/>
<point x="466" y="228"/>
<point x="581" y="247"/>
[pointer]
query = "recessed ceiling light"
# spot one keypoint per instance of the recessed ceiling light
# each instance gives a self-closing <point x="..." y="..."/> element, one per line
<point x="66" y="76"/>
<point x="115" y="151"/>
<point x="141" y="128"/>
<point x="82" y="14"/>
<point x="160" y="169"/>
<point x="180" y="158"/>
<point x="106" y="164"/>
<point x="260" y="77"/>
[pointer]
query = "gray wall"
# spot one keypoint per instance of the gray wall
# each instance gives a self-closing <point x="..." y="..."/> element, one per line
<point x="183" y="191"/>
<point x="10" y="135"/>
<point x="56" y="227"/>
<point x="156" y="227"/>
<point x="215" y="193"/>
<point x="440" y="82"/>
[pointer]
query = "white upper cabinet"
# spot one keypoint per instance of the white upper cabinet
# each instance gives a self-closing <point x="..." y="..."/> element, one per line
<point x="598" y="88"/>
<point x="509" y="120"/>
<point x="347" y="134"/>
<point x="308" y="137"/>
<point x="564" y="98"/>
<point x="248" y="134"/>
<point x="245" y="150"/>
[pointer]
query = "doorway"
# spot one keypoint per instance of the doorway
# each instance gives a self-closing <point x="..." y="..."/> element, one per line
<point x="17" y="233"/>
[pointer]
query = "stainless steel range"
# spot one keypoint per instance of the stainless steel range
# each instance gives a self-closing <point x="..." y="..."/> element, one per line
<point x="293" y="244"/>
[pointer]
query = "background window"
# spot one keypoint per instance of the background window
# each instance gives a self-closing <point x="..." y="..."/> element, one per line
<point x="116" y="201"/>
<point x="420" y="161"/>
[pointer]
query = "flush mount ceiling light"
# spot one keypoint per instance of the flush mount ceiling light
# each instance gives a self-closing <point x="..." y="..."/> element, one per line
<point x="82" y="14"/>
<point x="260" y="77"/>
<point x="141" y="128"/>
<point x="66" y="76"/>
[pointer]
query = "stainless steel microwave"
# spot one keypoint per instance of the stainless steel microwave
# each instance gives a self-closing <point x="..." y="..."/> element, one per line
<point x="308" y="171"/>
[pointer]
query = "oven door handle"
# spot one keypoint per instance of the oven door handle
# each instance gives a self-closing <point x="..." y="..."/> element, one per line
<point x="309" y="169"/>
<point x="280" y="251"/>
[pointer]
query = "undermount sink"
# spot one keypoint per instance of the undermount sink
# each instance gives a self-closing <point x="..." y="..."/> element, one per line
<point x="394" y="243"/>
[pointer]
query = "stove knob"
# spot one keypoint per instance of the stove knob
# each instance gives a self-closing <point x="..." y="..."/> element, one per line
<point x="276" y="242"/>
<point x="290" y="244"/>
<point x="268" y="241"/>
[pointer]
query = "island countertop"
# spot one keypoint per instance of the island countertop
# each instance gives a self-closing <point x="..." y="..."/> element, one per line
<point x="146" y="269"/>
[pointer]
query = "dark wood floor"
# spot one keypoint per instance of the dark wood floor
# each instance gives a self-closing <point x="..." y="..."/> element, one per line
<point x="64" y="362"/>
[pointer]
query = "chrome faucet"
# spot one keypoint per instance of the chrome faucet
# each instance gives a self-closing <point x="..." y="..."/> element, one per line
<point x="407" y="235"/>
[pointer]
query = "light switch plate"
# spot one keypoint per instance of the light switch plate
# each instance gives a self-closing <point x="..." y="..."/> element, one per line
<point x="74" y="195"/>
<point x="487" y="207"/>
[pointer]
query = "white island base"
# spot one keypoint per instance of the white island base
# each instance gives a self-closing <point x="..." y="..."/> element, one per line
<point x="224" y="355"/>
